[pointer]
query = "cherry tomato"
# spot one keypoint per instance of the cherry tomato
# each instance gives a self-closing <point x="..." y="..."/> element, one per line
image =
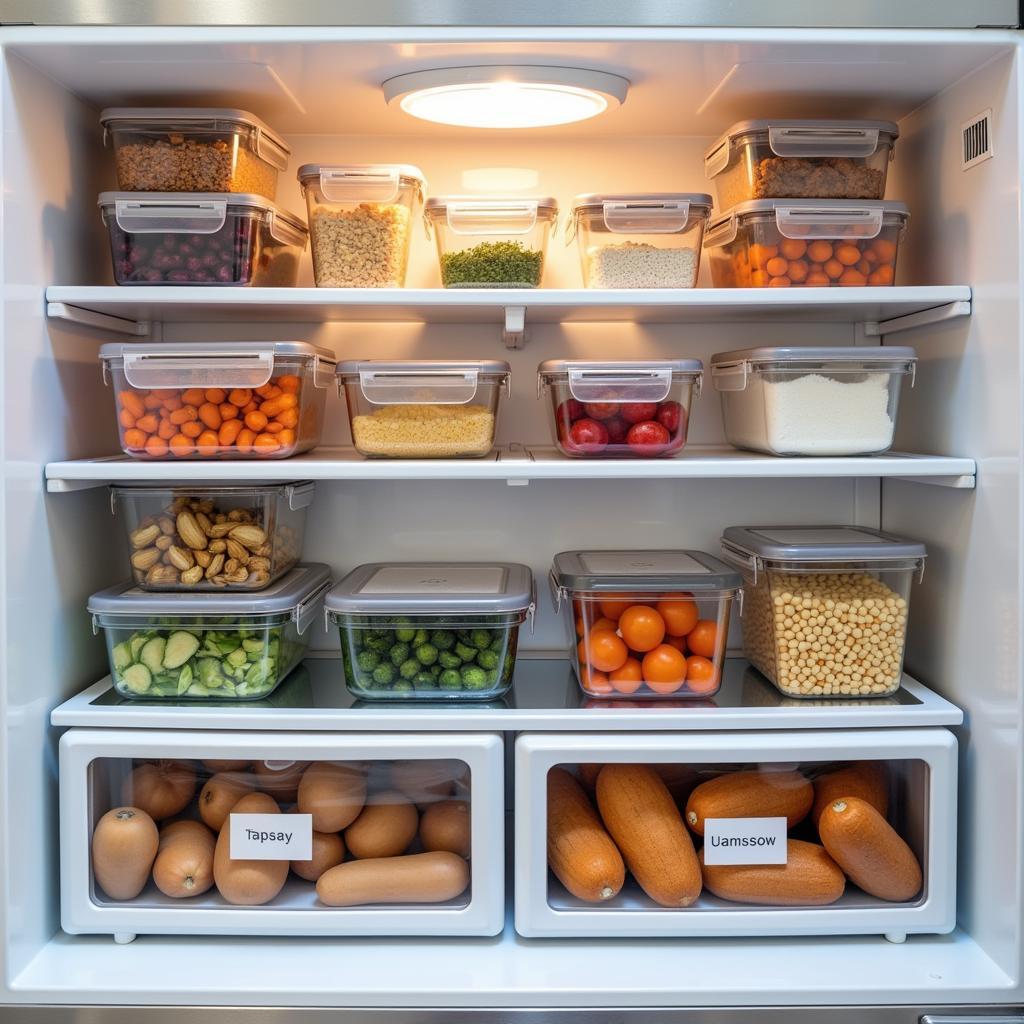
<point x="680" y="616"/>
<point x="670" y="416"/>
<point x="701" y="676"/>
<point x="570" y="411"/>
<point x="613" y="605"/>
<point x="648" y="438"/>
<point x="594" y="681"/>
<point x="602" y="623"/>
<point x="606" y="651"/>
<point x="703" y="638"/>
<point x="601" y="410"/>
<point x="664" y="669"/>
<point x="588" y="436"/>
<point x="678" y="642"/>
<point x="617" y="429"/>
<point x="637" y="412"/>
<point x="629" y="678"/>
<point x="642" y="628"/>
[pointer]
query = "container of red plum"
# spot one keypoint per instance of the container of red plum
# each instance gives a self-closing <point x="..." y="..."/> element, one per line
<point x="636" y="409"/>
<point x="202" y="238"/>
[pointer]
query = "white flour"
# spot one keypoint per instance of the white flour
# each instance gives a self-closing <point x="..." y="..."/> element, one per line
<point x="639" y="265"/>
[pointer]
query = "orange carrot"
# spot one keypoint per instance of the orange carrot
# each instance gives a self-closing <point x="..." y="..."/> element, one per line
<point x="194" y="396"/>
<point x="192" y="429"/>
<point x="179" y="416"/>
<point x="156" y="447"/>
<point x="244" y="440"/>
<point x="136" y="438"/>
<point x="256" y="421"/>
<point x="180" y="445"/>
<point x="210" y="415"/>
<point x="229" y="431"/>
<point x="240" y="397"/>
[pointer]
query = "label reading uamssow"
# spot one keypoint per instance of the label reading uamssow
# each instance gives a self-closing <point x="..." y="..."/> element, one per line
<point x="745" y="841"/>
<point x="271" y="836"/>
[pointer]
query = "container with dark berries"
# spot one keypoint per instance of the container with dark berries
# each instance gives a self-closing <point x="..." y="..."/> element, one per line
<point x="202" y="238"/>
<point x="636" y="409"/>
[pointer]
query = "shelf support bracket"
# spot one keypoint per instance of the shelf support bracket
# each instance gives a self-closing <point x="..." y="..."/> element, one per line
<point x="514" y="332"/>
<point x="935" y="315"/>
<point x="90" y="318"/>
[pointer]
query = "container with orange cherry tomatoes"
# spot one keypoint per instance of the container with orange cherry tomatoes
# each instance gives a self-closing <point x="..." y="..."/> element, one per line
<point x="193" y="400"/>
<point x="805" y="243"/>
<point x="645" y="625"/>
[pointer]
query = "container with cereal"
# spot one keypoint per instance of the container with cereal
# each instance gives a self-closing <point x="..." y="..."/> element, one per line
<point x="801" y="160"/>
<point x="193" y="149"/>
<point x="360" y="218"/>
<point x="805" y="243"/>
<point x="235" y="400"/>
<point x="825" y="607"/>
<point x="423" y="409"/>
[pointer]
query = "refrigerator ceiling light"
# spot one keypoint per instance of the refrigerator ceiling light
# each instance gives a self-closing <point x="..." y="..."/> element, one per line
<point x="506" y="96"/>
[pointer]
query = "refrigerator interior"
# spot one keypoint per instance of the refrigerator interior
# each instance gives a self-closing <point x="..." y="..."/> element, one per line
<point x="318" y="88"/>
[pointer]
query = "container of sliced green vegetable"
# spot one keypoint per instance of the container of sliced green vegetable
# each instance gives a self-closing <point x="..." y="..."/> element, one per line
<point x="431" y="631"/>
<point x="497" y="242"/>
<point x="208" y="646"/>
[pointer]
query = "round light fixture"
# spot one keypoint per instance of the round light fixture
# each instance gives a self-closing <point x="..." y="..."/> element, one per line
<point x="507" y="95"/>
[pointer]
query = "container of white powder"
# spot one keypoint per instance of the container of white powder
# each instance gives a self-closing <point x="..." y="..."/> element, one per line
<point x="812" y="401"/>
<point x="639" y="239"/>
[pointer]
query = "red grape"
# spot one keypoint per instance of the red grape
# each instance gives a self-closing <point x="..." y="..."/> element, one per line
<point x="648" y="438"/>
<point x="588" y="436"/>
<point x="638" y="412"/>
<point x="601" y="410"/>
<point x="670" y="416"/>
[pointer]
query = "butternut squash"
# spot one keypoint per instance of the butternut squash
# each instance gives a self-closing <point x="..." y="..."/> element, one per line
<point x="184" y="862"/>
<point x="810" y="878"/>
<point x="580" y="852"/>
<point x="124" y="844"/>
<point x="870" y="850"/>
<point x="328" y="851"/>
<point x="751" y="794"/>
<point x="415" y="878"/>
<point x="247" y="883"/>
<point x="588" y="776"/>
<point x="161" y="788"/>
<point x="865" y="779"/>
<point x="333" y="793"/>
<point x="643" y="820"/>
<point x="386" y="826"/>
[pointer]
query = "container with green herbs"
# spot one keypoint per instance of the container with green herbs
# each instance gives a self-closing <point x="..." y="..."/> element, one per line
<point x="498" y="242"/>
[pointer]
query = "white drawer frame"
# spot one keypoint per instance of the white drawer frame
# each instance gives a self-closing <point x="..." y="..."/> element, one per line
<point x="934" y="913"/>
<point x="484" y="915"/>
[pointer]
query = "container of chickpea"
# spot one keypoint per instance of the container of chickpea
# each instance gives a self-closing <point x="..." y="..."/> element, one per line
<point x="193" y="400"/>
<point x="825" y="607"/>
<point x="805" y="243"/>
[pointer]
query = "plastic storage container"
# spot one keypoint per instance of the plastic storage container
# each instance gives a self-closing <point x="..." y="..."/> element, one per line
<point x="825" y="607"/>
<point x="812" y="401"/>
<point x="445" y="790"/>
<point x="210" y="238"/>
<point x="423" y="409"/>
<point x="208" y="646"/>
<point x="801" y="160"/>
<point x="499" y="242"/>
<point x="436" y="631"/>
<point x="239" y="400"/>
<point x="193" y="149"/>
<point x="639" y="240"/>
<point x="176" y="533"/>
<point x="360" y="219"/>
<point x="636" y="409"/>
<point x="645" y="624"/>
<point x="805" y="243"/>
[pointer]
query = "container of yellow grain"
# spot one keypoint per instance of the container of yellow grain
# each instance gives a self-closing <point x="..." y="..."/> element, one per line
<point x="423" y="409"/>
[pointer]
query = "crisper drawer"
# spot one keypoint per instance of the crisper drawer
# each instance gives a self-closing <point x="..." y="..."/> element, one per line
<point x="241" y="833"/>
<point x="816" y="833"/>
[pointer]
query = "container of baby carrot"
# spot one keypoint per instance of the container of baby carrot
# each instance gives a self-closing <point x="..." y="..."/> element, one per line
<point x="199" y="400"/>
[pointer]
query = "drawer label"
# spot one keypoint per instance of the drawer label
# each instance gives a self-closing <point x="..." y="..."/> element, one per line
<point x="271" y="836"/>
<point x="745" y="841"/>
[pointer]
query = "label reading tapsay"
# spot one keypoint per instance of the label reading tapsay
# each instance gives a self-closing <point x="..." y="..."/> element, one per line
<point x="745" y="841"/>
<point x="271" y="836"/>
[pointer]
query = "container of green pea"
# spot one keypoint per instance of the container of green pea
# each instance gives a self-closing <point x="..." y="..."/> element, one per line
<point x="431" y="630"/>
<point x="498" y="242"/>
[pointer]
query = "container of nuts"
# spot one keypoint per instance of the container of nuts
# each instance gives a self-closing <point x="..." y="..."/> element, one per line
<point x="360" y="222"/>
<point x="212" y="538"/>
<point x="193" y="149"/>
<point x="825" y="607"/>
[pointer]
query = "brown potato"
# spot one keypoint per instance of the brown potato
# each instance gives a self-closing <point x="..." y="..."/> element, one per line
<point x="328" y="851"/>
<point x="333" y="793"/>
<point x="184" y="861"/>
<point x="160" y="788"/>
<point x="385" y="826"/>
<point x="124" y="844"/>
<point x="248" y="883"/>
<point x="220" y="793"/>
<point x="446" y="826"/>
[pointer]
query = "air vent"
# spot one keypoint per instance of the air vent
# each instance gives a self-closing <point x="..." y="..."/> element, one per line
<point x="977" y="139"/>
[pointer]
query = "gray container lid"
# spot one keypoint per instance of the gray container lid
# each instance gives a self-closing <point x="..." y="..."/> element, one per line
<point x="433" y="588"/>
<point x="407" y="172"/>
<point x="353" y="367"/>
<point x="117" y="349"/>
<point x="294" y="592"/>
<point x="555" y="367"/>
<point x="236" y="203"/>
<point x="437" y="204"/>
<point x="820" y="544"/>
<point x="815" y="354"/>
<point x="596" y="200"/>
<point x="643" y="571"/>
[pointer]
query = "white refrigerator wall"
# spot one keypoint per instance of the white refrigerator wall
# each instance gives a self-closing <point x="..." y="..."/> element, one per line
<point x="965" y="617"/>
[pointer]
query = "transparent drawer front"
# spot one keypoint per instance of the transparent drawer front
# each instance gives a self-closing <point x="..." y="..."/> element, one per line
<point x="724" y="835"/>
<point x="281" y="835"/>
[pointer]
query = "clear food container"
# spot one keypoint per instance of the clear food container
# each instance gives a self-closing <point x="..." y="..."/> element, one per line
<point x="825" y="607"/>
<point x="645" y="624"/>
<point x="801" y="160"/>
<point x="208" y="646"/>
<point x="423" y="409"/>
<point x="637" y="409"/>
<point x="360" y="219"/>
<point x="639" y="240"/>
<point x="224" y="537"/>
<point x="206" y="238"/>
<point x="436" y="631"/>
<point x="499" y="242"/>
<point x="239" y="400"/>
<point x="805" y="243"/>
<point x="812" y="401"/>
<point x="193" y="149"/>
